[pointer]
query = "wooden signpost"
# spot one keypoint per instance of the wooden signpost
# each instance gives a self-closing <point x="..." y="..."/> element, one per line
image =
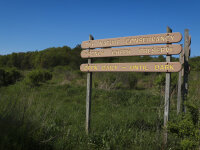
<point x="88" y="94"/>
<point x="167" y="96"/>
<point x="183" y="82"/>
<point x="187" y="42"/>
<point x="107" y="51"/>
<point x="180" y="82"/>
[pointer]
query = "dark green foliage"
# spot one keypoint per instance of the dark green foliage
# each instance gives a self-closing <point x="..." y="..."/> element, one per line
<point x="36" y="77"/>
<point x="161" y="58"/>
<point x="9" y="76"/>
<point x="160" y="81"/>
<point x="186" y="128"/>
<point x="195" y="63"/>
<point x="47" y="58"/>
<point x="193" y="112"/>
<point x="115" y="80"/>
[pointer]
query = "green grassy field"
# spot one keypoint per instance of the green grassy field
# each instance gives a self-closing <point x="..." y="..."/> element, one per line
<point x="52" y="115"/>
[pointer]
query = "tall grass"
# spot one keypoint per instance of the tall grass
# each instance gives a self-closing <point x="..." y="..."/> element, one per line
<point x="52" y="116"/>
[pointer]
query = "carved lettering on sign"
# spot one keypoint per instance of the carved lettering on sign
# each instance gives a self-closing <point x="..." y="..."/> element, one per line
<point x="133" y="51"/>
<point x="136" y="67"/>
<point x="139" y="67"/>
<point x="134" y="40"/>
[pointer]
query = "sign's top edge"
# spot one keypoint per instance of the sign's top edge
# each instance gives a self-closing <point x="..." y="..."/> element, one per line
<point x="137" y="35"/>
<point x="134" y="40"/>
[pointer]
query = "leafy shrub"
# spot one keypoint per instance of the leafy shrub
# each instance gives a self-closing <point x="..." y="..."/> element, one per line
<point x="9" y="76"/>
<point x="36" y="77"/>
<point x="186" y="128"/>
<point x="112" y="81"/>
<point x="132" y="80"/>
<point x="160" y="82"/>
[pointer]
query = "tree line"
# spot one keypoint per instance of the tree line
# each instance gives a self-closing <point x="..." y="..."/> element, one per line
<point x="66" y="56"/>
<point x="47" y="58"/>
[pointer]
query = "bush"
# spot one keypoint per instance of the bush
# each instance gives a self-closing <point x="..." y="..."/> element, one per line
<point x="36" y="77"/>
<point x="186" y="128"/>
<point x="9" y="76"/>
<point x="159" y="82"/>
<point x="132" y="80"/>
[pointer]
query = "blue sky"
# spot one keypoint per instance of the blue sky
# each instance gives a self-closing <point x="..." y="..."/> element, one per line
<point x="29" y="25"/>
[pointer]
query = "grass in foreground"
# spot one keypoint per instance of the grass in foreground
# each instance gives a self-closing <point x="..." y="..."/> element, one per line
<point x="52" y="116"/>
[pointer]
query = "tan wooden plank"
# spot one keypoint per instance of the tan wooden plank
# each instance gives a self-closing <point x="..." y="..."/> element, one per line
<point x="132" y="67"/>
<point x="134" y="40"/>
<point x="133" y="51"/>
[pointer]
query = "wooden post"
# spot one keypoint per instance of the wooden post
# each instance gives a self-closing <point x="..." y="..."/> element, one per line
<point x="180" y="83"/>
<point x="167" y="96"/>
<point x="88" y="95"/>
<point x="186" y="66"/>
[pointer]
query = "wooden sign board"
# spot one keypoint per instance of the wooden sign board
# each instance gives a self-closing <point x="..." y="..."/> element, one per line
<point x="133" y="51"/>
<point x="132" y="67"/>
<point x="134" y="40"/>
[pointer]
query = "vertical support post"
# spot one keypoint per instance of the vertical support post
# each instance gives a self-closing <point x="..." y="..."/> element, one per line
<point x="167" y="96"/>
<point x="88" y="95"/>
<point x="186" y="66"/>
<point x="180" y="83"/>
